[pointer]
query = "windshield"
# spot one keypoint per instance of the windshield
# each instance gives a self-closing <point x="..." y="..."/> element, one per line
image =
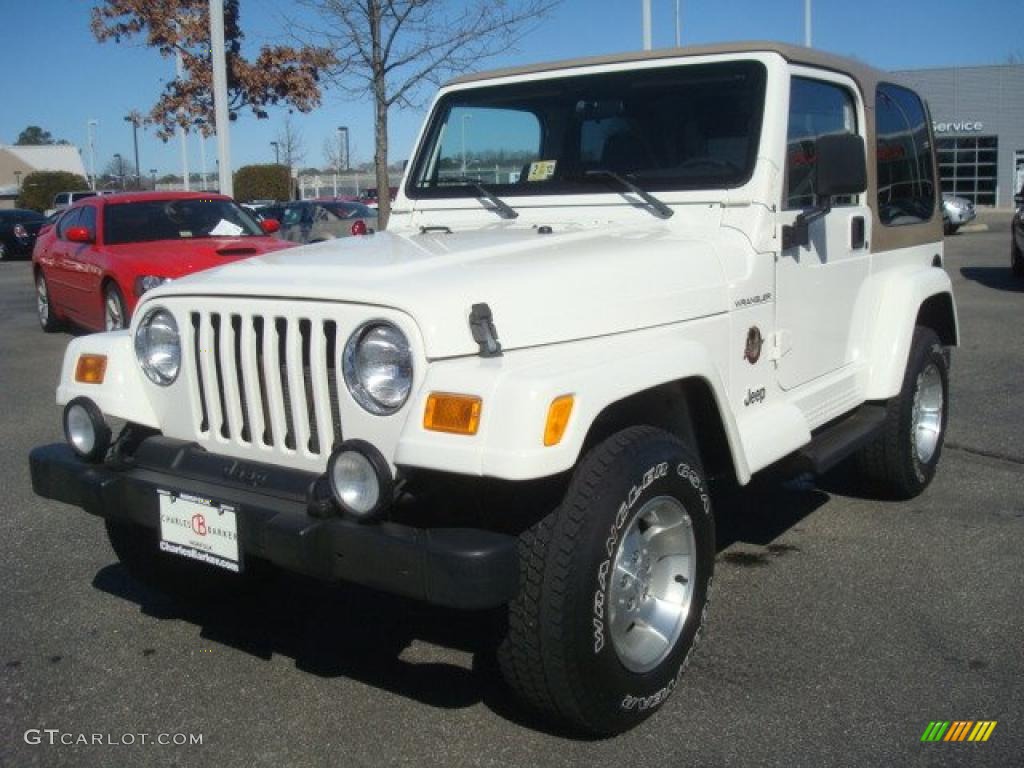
<point x="687" y="127"/>
<point x="175" y="220"/>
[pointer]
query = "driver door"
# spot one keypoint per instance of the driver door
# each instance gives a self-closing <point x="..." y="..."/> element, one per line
<point x="817" y="285"/>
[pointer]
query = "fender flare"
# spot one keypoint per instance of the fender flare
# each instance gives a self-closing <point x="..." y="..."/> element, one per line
<point x="899" y="308"/>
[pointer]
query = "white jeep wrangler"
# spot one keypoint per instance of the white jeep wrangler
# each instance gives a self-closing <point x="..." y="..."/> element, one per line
<point x="655" y="269"/>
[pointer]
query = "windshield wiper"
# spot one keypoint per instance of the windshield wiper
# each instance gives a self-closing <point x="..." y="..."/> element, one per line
<point x="659" y="208"/>
<point x="502" y="208"/>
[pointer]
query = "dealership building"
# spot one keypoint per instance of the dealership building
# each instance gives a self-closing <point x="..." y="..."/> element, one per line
<point x="978" y="116"/>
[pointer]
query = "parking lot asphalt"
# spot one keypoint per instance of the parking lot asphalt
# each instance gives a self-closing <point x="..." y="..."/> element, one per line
<point x="841" y="626"/>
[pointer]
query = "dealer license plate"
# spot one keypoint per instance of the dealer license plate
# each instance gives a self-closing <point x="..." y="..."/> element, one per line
<point x="200" y="529"/>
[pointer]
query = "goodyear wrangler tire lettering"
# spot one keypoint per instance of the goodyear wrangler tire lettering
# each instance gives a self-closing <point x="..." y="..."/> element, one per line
<point x="565" y="651"/>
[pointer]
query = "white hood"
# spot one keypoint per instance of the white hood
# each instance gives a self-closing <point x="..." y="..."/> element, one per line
<point x="541" y="288"/>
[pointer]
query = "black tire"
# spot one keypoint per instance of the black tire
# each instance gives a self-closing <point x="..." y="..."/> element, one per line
<point x="558" y="655"/>
<point x="1016" y="257"/>
<point x="3" y="251"/>
<point x="138" y="550"/>
<point x="892" y="460"/>
<point x="947" y="227"/>
<point x="115" y="311"/>
<point x="44" y="306"/>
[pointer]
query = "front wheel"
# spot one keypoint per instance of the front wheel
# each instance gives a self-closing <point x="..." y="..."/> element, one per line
<point x="614" y="585"/>
<point x="44" y="309"/>
<point x="902" y="459"/>
<point x="115" y="314"/>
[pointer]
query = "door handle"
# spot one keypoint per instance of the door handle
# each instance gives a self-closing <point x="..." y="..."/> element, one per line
<point x="858" y="233"/>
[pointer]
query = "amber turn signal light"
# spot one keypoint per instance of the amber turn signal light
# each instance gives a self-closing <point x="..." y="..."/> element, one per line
<point x="558" y="419"/>
<point x="458" y="414"/>
<point x="91" y="369"/>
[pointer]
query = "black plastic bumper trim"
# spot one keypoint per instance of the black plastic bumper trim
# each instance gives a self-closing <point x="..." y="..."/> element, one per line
<point x="463" y="568"/>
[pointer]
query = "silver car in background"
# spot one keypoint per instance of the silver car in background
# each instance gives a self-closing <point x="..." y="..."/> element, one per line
<point x="312" y="221"/>
<point x="956" y="211"/>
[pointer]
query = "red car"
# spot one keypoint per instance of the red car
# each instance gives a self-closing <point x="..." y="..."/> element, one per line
<point x="103" y="253"/>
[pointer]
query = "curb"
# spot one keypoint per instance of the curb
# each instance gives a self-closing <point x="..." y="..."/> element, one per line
<point x="974" y="228"/>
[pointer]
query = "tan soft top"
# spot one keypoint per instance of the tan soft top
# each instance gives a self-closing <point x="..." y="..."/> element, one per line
<point x="867" y="78"/>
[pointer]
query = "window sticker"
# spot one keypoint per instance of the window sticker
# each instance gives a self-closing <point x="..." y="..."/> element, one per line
<point x="226" y="228"/>
<point x="541" y="170"/>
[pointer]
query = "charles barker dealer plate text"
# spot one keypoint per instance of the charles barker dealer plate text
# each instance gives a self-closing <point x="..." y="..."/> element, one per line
<point x="200" y="529"/>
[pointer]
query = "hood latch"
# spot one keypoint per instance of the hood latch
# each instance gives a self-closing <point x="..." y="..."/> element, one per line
<point x="481" y="323"/>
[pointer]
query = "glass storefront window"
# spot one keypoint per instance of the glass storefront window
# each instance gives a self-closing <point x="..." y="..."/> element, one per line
<point x="968" y="167"/>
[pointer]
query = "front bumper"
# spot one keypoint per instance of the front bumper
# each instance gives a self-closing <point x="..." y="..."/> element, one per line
<point x="961" y="216"/>
<point x="455" y="567"/>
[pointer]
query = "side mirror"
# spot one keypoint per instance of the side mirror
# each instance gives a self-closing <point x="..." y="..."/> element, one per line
<point x="270" y="226"/>
<point x="840" y="168"/>
<point x="79" y="235"/>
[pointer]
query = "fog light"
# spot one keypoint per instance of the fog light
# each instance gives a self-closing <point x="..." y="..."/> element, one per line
<point x="85" y="429"/>
<point x="360" y="479"/>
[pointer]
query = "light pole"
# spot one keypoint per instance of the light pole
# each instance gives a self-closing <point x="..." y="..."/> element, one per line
<point x="120" y="168"/>
<point x="679" y="20"/>
<point x="89" y="126"/>
<point x="807" y="23"/>
<point x="342" y="166"/>
<point x="133" y="118"/>
<point x="464" y="119"/>
<point x="220" y="98"/>
<point x="647" y="24"/>
<point x="152" y="172"/>
<point x="277" y="154"/>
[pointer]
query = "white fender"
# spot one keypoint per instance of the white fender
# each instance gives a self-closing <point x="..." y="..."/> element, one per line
<point x="517" y="389"/>
<point x="121" y="394"/>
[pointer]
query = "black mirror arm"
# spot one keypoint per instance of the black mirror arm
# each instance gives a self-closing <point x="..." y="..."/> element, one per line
<point x="798" y="233"/>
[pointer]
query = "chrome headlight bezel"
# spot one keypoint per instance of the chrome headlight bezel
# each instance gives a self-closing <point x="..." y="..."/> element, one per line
<point x="366" y="393"/>
<point x="161" y="372"/>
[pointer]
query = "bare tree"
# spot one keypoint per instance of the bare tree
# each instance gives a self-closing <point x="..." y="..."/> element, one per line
<point x="291" y="145"/>
<point x="389" y="49"/>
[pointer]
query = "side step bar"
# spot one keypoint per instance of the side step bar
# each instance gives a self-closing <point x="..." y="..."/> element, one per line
<point x="834" y="442"/>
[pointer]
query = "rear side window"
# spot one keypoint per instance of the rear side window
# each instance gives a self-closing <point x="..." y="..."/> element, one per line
<point x="816" y="109"/>
<point x="61" y="199"/>
<point x="906" y="184"/>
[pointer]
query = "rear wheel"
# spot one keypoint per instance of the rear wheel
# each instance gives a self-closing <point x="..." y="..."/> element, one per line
<point x="44" y="309"/>
<point x="902" y="459"/>
<point x="1016" y="257"/>
<point x="115" y="314"/>
<point x="614" y="585"/>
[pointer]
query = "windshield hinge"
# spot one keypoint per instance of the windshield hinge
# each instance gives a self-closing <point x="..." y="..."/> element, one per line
<point x="481" y="323"/>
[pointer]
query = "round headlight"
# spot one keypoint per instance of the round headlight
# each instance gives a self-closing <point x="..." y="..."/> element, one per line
<point x="158" y="346"/>
<point x="377" y="365"/>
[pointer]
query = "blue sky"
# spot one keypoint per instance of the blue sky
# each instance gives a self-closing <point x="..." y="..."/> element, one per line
<point x="57" y="76"/>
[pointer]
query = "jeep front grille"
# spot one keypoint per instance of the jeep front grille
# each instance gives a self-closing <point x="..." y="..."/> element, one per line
<point x="265" y="381"/>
